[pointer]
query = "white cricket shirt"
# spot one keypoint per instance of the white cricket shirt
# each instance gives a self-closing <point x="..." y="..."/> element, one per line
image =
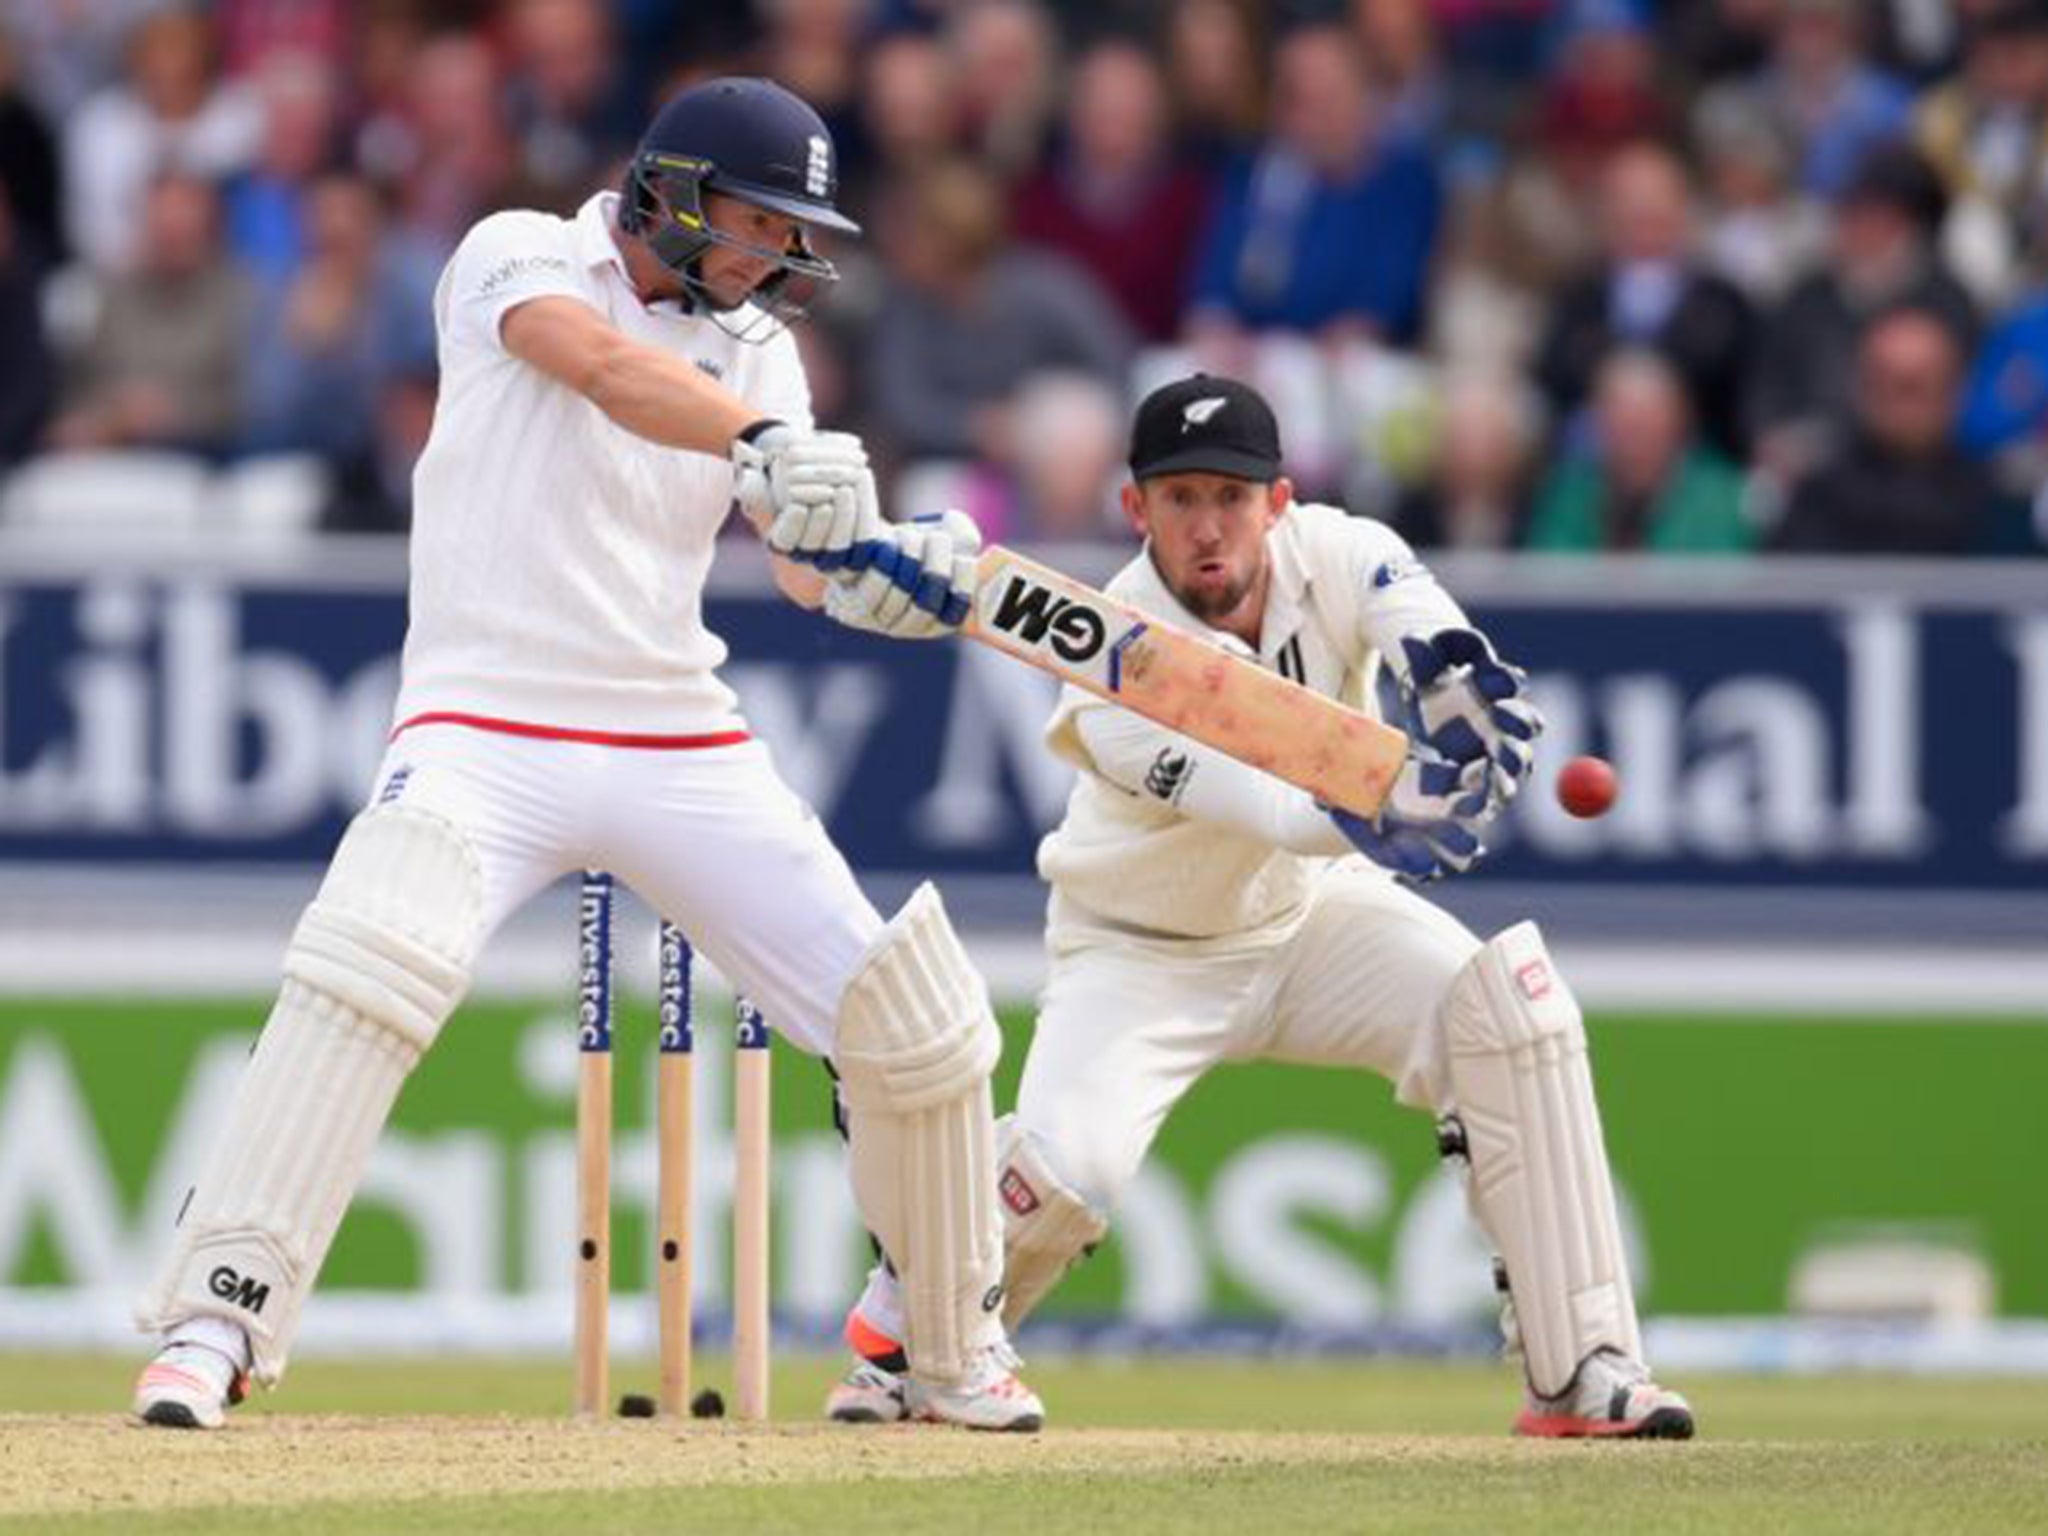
<point x="558" y="561"/>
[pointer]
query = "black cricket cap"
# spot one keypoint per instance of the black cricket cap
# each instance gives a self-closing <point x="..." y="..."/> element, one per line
<point x="1206" y="425"/>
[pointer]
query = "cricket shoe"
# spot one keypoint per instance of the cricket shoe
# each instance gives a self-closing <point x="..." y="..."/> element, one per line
<point x="868" y="1394"/>
<point x="990" y="1396"/>
<point x="873" y="1392"/>
<point x="189" y="1386"/>
<point x="1611" y="1397"/>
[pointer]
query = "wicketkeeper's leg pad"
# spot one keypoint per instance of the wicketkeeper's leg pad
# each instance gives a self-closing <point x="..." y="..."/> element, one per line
<point x="1541" y="1188"/>
<point x="915" y="1045"/>
<point x="1047" y="1227"/>
<point x="376" y="965"/>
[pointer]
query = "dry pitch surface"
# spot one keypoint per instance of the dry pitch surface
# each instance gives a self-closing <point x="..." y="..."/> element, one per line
<point x="68" y="1465"/>
<point x="1246" y="1448"/>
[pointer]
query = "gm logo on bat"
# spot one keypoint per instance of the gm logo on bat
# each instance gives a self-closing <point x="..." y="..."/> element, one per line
<point x="1038" y="615"/>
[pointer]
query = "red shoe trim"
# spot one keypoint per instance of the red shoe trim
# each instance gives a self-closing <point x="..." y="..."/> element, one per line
<point x="868" y="1341"/>
<point x="1569" y="1426"/>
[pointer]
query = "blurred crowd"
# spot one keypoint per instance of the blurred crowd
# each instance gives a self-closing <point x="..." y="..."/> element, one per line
<point x="1705" y="275"/>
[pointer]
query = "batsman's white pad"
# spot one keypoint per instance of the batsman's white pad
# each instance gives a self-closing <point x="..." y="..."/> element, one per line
<point x="1540" y="1184"/>
<point x="1047" y="1227"/>
<point x="378" y="962"/>
<point x="916" y="1041"/>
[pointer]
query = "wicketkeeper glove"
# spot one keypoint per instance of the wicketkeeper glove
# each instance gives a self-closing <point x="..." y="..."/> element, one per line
<point x="1469" y="706"/>
<point x="1429" y="826"/>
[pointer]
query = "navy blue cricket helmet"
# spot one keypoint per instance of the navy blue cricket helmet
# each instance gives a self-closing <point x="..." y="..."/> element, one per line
<point x="742" y="138"/>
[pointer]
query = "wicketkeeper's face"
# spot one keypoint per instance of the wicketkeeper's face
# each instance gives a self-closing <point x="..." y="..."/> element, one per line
<point x="1208" y="536"/>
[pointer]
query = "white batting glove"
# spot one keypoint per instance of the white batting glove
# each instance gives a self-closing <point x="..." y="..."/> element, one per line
<point x="914" y="582"/>
<point x="809" y="493"/>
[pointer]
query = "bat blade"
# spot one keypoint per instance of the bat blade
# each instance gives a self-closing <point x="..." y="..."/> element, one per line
<point x="1181" y="681"/>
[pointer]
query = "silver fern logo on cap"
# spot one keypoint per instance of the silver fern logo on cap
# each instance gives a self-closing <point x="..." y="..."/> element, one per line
<point x="1198" y="412"/>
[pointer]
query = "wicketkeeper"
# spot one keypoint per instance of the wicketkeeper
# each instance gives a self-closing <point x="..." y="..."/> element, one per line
<point x="1204" y="912"/>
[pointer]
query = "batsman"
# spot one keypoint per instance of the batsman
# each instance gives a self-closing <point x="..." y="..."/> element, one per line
<point x="1203" y="912"/>
<point x="610" y="385"/>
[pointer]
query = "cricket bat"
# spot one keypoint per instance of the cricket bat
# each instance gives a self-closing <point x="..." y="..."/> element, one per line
<point x="1081" y="636"/>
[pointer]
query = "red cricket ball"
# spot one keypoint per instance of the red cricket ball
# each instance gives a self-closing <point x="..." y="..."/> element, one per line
<point x="1586" y="786"/>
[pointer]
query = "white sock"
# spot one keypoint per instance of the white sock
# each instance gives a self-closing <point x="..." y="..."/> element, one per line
<point x="215" y="1333"/>
<point x="881" y="1304"/>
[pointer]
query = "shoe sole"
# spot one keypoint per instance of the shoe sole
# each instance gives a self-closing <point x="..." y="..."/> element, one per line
<point x="863" y="1416"/>
<point x="1658" y="1424"/>
<point x="171" y="1416"/>
<point x="1023" y="1424"/>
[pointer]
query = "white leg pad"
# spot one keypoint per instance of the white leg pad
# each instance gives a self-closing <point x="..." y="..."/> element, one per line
<point x="377" y="963"/>
<point x="1540" y="1183"/>
<point x="915" y="1045"/>
<point x="1047" y="1227"/>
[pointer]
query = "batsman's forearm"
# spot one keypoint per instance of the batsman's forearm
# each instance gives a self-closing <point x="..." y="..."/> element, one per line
<point x="664" y="399"/>
<point x="650" y="392"/>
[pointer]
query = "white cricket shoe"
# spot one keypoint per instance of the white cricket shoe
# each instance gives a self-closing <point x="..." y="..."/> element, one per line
<point x="989" y="1396"/>
<point x="188" y="1386"/>
<point x="1611" y="1397"/>
<point x="868" y="1394"/>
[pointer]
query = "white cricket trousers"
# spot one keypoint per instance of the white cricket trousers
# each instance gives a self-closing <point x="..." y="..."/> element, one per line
<point x="1128" y="1024"/>
<point x="709" y="837"/>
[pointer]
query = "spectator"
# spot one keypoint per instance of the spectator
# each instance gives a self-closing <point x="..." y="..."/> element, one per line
<point x="1650" y="290"/>
<point x="1507" y="245"/>
<point x="455" y="157"/>
<point x="1215" y="55"/>
<point x="1646" y="482"/>
<point x="1898" y="484"/>
<point x="1495" y="52"/>
<point x="1986" y="134"/>
<point x="1401" y="58"/>
<point x="373" y="491"/>
<point x="1761" y="232"/>
<point x="301" y="100"/>
<point x="814" y="48"/>
<point x="1710" y="40"/>
<point x="252" y="31"/>
<point x="1116" y="201"/>
<point x="163" y="367"/>
<point x="1328" y="229"/>
<point x="29" y="179"/>
<point x="570" y="119"/>
<point x="28" y="381"/>
<point x="1882" y="256"/>
<point x="1070" y="440"/>
<point x="1476" y="495"/>
<point x="1007" y="57"/>
<point x="910" y="109"/>
<point x="169" y="112"/>
<point x="965" y="323"/>
<point x="323" y="339"/>
<point x="68" y="50"/>
<point x="2005" y="400"/>
<point x="1832" y="104"/>
<point x="1602" y="93"/>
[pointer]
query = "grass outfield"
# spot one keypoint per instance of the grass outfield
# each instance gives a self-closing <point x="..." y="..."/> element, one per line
<point x="1175" y="1445"/>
